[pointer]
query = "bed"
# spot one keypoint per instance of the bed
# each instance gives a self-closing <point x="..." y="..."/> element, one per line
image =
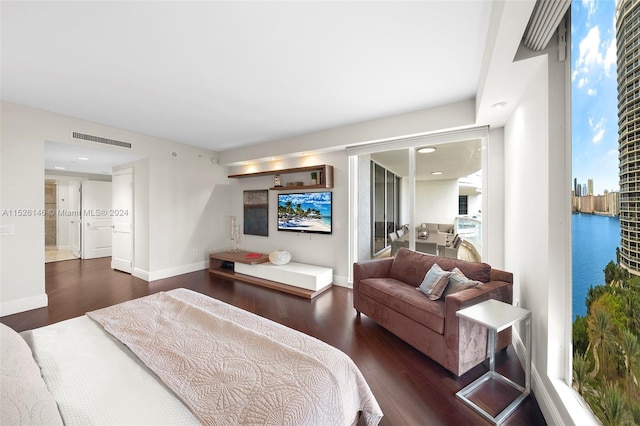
<point x="178" y="357"/>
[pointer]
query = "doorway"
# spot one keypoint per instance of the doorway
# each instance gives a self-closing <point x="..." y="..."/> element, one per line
<point x="71" y="201"/>
<point x="57" y="238"/>
<point x="68" y="167"/>
<point x="434" y="171"/>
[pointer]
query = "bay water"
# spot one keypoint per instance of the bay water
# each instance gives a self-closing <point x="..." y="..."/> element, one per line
<point x="594" y="242"/>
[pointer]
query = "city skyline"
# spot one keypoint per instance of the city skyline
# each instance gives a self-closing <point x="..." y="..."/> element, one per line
<point x="594" y="94"/>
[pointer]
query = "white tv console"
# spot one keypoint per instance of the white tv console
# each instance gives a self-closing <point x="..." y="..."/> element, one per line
<point x="295" y="278"/>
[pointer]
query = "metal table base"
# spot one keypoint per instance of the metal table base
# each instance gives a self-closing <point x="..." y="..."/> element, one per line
<point x="497" y="316"/>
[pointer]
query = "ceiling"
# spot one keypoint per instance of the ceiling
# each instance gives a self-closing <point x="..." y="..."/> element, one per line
<point x="451" y="160"/>
<point x="221" y="75"/>
<point x="66" y="158"/>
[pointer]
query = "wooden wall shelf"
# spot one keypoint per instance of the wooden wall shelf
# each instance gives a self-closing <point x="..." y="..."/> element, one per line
<point x="325" y="173"/>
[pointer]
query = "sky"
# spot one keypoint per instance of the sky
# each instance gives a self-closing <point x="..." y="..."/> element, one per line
<point x="594" y="94"/>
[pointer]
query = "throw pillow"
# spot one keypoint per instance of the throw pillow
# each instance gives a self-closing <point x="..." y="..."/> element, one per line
<point x="458" y="282"/>
<point x="435" y="281"/>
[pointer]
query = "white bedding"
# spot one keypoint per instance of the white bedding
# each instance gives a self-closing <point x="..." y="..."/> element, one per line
<point x="97" y="380"/>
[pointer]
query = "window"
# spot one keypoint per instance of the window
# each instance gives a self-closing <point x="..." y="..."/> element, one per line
<point x="463" y="205"/>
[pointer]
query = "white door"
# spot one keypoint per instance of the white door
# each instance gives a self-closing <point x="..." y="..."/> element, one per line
<point x="75" y="224"/>
<point x="96" y="219"/>
<point x="122" y="206"/>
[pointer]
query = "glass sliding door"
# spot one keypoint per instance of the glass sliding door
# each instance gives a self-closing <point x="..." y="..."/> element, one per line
<point x="378" y="210"/>
<point x="448" y="187"/>
<point x="407" y="185"/>
<point x="385" y="211"/>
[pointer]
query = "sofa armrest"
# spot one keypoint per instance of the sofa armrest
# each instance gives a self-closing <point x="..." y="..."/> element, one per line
<point x="474" y="337"/>
<point x="499" y="275"/>
<point x="499" y="290"/>
<point x="376" y="268"/>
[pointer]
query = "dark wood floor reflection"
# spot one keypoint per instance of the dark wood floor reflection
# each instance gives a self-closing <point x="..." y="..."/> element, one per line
<point x="410" y="388"/>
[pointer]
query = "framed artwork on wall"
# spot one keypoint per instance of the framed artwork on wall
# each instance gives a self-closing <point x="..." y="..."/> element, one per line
<point x="256" y="212"/>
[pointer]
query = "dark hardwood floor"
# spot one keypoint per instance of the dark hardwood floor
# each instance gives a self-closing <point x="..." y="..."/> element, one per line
<point x="410" y="388"/>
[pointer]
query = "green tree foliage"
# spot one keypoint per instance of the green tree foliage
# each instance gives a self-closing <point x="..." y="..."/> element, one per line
<point x="610" y="272"/>
<point x="606" y="342"/>
<point x="614" y="305"/>
<point x="611" y="407"/>
<point x="631" y="351"/>
<point x="632" y="308"/>
<point x="593" y="294"/>
<point x="580" y="335"/>
<point x="600" y="331"/>
<point x="583" y="383"/>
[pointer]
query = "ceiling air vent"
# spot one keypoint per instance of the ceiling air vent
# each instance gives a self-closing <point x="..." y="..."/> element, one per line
<point x="98" y="139"/>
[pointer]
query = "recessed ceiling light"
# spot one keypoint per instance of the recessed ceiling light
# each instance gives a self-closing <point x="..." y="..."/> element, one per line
<point x="499" y="105"/>
<point x="436" y="173"/>
<point x="59" y="168"/>
<point x="83" y="158"/>
<point x="426" y="150"/>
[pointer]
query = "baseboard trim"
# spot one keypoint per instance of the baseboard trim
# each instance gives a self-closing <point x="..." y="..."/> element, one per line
<point x="552" y="392"/>
<point x="178" y="270"/>
<point x="140" y="273"/>
<point x="22" y="305"/>
<point x="341" y="281"/>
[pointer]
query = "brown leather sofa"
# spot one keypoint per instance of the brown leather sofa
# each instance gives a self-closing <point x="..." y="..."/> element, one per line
<point x="385" y="291"/>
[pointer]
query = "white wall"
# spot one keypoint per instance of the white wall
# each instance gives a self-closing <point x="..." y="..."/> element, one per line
<point x="21" y="189"/>
<point x="537" y="224"/>
<point x="527" y="200"/>
<point x="417" y="122"/>
<point x="474" y="205"/>
<point x="363" y="213"/>
<point x="328" y="146"/>
<point x="186" y="202"/>
<point x="317" y="249"/>
<point x="437" y="201"/>
<point x="493" y="193"/>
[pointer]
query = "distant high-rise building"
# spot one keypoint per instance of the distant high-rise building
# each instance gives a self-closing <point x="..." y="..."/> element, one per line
<point x="583" y="190"/>
<point x="627" y="21"/>
<point x="576" y="191"/>
<point x="590" y="187"/>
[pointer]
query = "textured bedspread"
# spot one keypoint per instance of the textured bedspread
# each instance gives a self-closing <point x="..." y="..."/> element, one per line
<point x="232" y="367"/>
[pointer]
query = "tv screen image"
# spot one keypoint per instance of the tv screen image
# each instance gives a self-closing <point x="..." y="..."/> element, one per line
<point x="305" y="212"/>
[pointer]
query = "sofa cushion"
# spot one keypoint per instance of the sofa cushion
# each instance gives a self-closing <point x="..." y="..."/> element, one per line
<point x="458" y="282"/>
<point x="476" y="271"/>
<point x="406" y="300"/>
<point x="435" y="281"/>
<point x="411" y="266"/>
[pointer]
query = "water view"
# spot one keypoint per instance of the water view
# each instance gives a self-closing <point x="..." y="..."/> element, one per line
<point x="595" y="239"/>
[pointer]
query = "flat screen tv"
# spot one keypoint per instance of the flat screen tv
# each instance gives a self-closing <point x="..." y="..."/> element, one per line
<point x="305" y="212"/>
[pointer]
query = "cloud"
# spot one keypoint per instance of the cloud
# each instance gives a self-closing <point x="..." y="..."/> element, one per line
<point x="589" y="49"/>
<point x="598" y="136"/>
<point x="610" y="57"/>
<point x="595" y="56"/>
<point x="592" y="92"/>
<point x="598" y="129"/>
<point x="590" y="5"/>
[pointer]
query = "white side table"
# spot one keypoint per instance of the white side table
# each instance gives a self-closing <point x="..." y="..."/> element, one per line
<point x="497" y="316"/>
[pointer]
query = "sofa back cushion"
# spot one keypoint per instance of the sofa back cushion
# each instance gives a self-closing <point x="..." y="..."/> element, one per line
<point x="411" y="267"/>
